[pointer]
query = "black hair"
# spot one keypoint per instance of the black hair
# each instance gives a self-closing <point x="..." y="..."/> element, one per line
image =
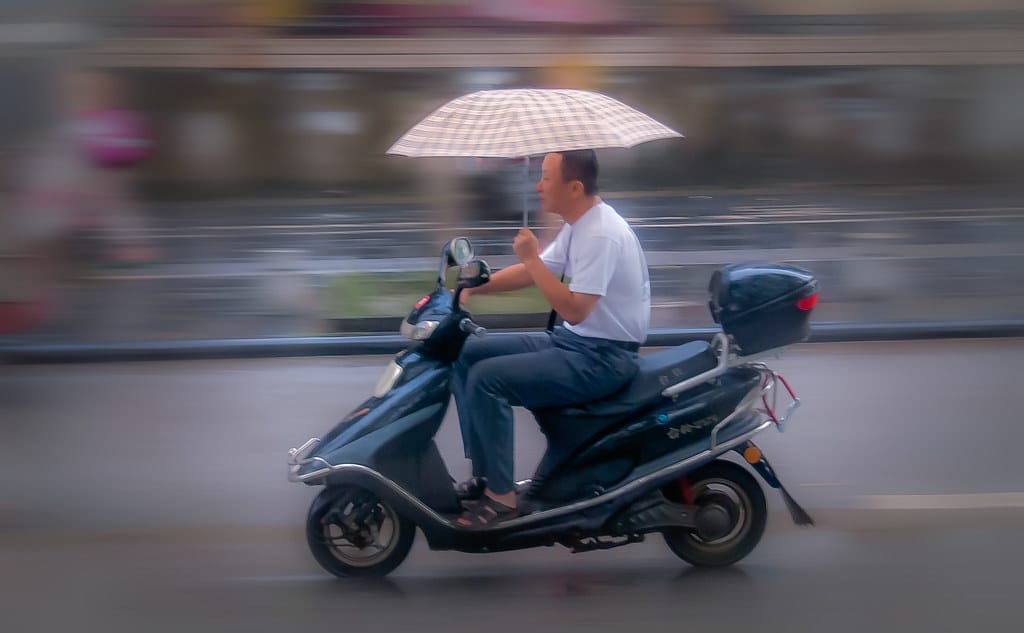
<point x="581" y="165"/>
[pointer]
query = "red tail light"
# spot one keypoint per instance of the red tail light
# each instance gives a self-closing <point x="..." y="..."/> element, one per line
<point x="807" y="303"/>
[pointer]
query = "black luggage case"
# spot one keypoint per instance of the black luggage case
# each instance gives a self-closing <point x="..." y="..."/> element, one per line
<point x="763" y="306"/>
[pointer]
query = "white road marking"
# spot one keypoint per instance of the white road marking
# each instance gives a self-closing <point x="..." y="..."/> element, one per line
<point x="318" y="578"/>
<point x="971" y="501"/>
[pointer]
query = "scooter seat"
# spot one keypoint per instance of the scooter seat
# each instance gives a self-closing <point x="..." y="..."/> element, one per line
<point x="657" y="371"/>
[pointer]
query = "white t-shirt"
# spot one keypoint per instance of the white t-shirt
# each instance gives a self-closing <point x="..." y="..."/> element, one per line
<point x="604" y="259"/>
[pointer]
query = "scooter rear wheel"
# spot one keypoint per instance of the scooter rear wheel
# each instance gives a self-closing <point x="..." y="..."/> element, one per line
<point x="352" y="533"/>
<point x="731" y="517"/>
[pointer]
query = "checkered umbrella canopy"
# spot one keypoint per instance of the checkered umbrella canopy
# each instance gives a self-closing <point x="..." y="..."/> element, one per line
<point x="527" y="122"/>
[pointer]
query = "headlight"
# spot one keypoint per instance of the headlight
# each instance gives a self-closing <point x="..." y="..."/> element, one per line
<point x="388" y="379"/>
<point x="420" y="331"/>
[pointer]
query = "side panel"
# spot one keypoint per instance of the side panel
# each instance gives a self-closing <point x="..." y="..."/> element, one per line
<point x="612" y="456"/>
<point x="423" y="383"/>
<point x="394" y="435"/>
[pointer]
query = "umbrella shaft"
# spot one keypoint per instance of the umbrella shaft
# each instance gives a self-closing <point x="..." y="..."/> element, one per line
<point x="526" y="184"/>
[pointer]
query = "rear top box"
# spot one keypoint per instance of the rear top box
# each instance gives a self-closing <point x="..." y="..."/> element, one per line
<point x="763" y="306"/>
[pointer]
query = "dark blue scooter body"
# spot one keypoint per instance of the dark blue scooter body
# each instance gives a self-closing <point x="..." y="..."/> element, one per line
<point x="607" y="465"/>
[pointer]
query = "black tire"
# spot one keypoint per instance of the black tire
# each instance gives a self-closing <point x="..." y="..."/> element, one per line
<point x="732" y="487"/>
<point x="346" y="549"/>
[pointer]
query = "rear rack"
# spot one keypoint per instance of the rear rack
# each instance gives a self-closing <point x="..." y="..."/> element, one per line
<point x="768" y="387"/>
<point x="770" y="382"/>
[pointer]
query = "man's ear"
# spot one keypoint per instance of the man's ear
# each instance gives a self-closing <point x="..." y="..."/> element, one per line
<point x="576" y="188"/>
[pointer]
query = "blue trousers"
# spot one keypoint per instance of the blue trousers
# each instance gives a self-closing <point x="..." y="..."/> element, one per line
<point x="497" y="372"/>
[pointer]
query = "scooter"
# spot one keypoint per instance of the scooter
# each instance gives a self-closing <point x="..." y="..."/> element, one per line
<point x="648" y="459"/>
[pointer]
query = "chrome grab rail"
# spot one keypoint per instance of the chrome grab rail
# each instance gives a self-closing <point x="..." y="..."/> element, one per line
<point x="723" y="365"/>
<point x="744" y="406"/>
<point x="725" y="362"/>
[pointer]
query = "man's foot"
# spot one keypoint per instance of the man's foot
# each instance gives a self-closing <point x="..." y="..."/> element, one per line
<point x="471" y="489"/>
<point x="485" y="513"/>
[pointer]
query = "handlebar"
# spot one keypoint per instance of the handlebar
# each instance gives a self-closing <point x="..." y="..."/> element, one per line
<point x="467" y="325"/>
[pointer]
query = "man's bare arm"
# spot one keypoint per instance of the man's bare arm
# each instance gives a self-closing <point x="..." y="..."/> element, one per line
<point x="573" y="306"/>
<point x="514" y="277"/>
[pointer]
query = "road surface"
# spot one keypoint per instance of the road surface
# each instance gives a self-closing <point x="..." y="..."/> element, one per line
<point x="153" y="496"/>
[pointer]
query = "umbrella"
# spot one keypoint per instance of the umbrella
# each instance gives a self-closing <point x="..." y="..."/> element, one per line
<point x="521" y="123"/>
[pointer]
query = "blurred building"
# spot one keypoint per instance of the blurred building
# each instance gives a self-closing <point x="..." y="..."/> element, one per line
<point x="301" y="98"/>
<point x="306" y="95"/>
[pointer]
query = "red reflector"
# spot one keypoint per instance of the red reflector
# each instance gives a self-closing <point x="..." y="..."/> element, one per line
<point x="422" y="302"/>
<point x="807" y="303"/>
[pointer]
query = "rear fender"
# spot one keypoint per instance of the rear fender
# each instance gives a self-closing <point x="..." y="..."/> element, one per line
<point x="757" y="459"/>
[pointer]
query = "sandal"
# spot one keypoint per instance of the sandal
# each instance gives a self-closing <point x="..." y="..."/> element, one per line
<point x="471" y="489"/>
<point x="485" y="513"/>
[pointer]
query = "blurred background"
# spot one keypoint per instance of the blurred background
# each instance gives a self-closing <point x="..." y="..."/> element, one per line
<point x="177" y="169"/>
<point x="190" y="169"/>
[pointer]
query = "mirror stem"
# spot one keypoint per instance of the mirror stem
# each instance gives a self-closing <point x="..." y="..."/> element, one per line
<point x="442" y="266"/>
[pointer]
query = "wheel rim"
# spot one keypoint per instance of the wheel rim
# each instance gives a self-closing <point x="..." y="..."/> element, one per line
<point x="361" y="543"/>
<point x="735" y="500"/>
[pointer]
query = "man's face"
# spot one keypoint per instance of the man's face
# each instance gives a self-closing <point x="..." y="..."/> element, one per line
<point x="555" y="194"/>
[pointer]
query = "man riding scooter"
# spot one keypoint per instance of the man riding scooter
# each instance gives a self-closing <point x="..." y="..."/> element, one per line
<point x="606" y="309"/>
<point x="636" y="445"/>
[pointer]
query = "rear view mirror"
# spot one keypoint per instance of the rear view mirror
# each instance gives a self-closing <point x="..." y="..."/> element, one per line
<point x="474" y="273"/>
<point x="454" y="253"/>
<point x="460" y="251"/>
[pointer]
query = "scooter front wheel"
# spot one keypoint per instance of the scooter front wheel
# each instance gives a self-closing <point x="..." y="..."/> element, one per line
<point x="352" y="533"/>
<point x="731" y="516"/>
